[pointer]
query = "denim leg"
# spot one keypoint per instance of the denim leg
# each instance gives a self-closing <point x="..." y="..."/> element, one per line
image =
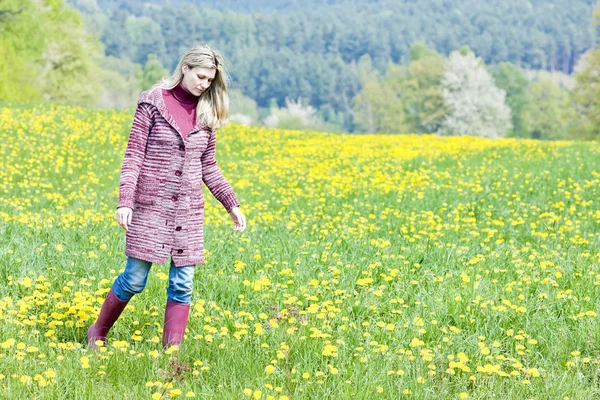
<point x="180" y="283"/>
<point x="133" y="280"/>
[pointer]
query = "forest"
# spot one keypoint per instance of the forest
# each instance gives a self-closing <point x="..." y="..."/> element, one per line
<point x="344" y="65"/>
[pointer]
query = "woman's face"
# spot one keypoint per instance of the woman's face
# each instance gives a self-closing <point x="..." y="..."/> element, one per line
<point x="197" y="79"/>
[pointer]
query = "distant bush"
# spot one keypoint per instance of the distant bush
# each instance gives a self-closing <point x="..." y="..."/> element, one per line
<point x="243" y="109"/>
<point x="297" y="116"/>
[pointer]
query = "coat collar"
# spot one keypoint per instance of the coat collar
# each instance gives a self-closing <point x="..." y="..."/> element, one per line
<point x="155" y="97"/>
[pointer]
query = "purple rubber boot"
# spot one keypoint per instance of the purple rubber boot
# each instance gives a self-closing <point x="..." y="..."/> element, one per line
<point x="176" y="319"/>
<point x="109" y="313"/>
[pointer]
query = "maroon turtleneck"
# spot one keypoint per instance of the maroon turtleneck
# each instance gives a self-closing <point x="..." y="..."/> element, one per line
<point x="181" y="104"/>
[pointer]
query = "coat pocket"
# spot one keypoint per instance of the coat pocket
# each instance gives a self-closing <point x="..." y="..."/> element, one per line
<point x="145" y="198"/>
<point x="146" y="193"/>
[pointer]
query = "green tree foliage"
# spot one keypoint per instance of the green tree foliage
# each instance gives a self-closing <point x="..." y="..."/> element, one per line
<point x="145" y="38"/>
<point x="420" y="50"/>
<point x="45" y="41"/>
<point x="151" y="74"/>
<point x="69" y="74"/>
<point x="21" y="42"/>
<point x="377" y="107"/>
<point x="587" y="97"/>
<point x="21" y="29"/>
<point x="419" y="87"/>
<point x="116" y="38"/>
<point x="406" y="99"/>
<point x="16" y="75"/>
<point x="119" y="81"/>
<point x="513" y="81"/>
<point x="546" y="112"/>
<point x="92" y="14"/>
<point x="310" y="49"/>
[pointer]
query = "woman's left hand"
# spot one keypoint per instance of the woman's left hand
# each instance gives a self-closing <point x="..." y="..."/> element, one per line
<point x="239" y="220"/>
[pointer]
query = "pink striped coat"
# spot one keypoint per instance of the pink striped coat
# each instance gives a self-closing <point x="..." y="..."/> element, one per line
<point x="161" y="180"/>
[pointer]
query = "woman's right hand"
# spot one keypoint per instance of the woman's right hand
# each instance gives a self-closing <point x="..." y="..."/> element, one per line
<point x="124" y="215"/>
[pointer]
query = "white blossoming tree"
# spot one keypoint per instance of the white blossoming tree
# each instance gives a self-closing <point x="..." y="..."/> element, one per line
<point x="476" y="106"/>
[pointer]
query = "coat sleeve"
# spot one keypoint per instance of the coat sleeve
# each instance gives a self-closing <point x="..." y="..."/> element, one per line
<point x="134" y="155"/>
<point x="213" y="177"/>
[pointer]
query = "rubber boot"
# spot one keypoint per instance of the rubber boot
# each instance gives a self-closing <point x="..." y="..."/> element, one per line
<point x="176" y="319"/>
<point x="109" y="313"/>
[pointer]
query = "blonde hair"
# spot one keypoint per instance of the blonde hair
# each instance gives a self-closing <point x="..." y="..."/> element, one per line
<point x="213" y="103"/>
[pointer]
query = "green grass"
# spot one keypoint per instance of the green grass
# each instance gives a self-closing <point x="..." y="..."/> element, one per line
<point x="486" y="248"/>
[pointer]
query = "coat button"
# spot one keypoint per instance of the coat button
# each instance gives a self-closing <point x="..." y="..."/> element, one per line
<point x="178" y="228"/>
<point x="179" y="251"/>
<point x="177" y="173"/>
<point x="182" y="147"/>
<point x="174" y="198"/>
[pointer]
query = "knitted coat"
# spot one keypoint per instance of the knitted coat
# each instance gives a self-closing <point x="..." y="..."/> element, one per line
<point x="161" y="180"/>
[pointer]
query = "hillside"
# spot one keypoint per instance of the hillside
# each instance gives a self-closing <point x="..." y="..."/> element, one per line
<point x="461" y="266"/>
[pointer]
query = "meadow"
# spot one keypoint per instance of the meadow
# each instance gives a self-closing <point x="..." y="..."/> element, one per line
<point x="372" y="267"/>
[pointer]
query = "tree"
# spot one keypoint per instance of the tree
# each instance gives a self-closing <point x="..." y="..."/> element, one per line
<point x="476" y="105"/>
<point x="21" y="43"/>
<point x="318" y="43"/>
<point x="16" y="75"/>
<point x="513" y="81"/>
<point x="377" y="107"/>
<point x="117" y="43"/>
<point x="70" y="74"/>
<point x="546" y="112"/>
<point x="50" y="49"/>
<point x="145" y="36"/>
<point x="587" y="97"/>
<point x="151" y="74"/>
<point x="419" y="88"/>
<point x="419" y="50"/>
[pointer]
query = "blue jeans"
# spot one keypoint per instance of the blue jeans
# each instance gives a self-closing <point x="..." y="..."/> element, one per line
<point x="133" y="281"/>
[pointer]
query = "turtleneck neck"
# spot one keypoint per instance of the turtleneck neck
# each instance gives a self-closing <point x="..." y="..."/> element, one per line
<point x="181" y="104"/>
<point x="183" y="95"/>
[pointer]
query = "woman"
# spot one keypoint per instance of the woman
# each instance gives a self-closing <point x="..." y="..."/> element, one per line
<point x="170" y="153"/>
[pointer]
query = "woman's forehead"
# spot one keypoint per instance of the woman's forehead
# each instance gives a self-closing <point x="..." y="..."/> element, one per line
<point x="208" y="72"/>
